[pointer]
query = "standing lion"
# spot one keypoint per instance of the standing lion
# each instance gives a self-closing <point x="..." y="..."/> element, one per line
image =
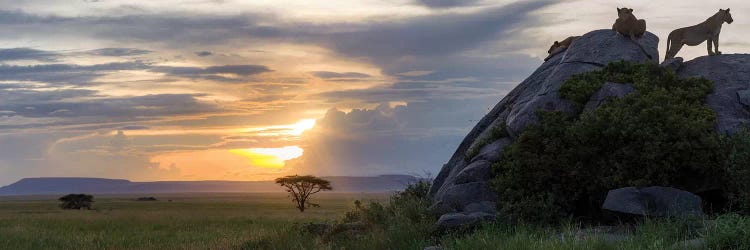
<point x="695" y="35"/>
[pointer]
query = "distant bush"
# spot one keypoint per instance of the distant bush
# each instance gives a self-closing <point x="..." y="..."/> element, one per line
<point x="662" y="135"/>
<point x="146" y="199"/>
<point x="76" y="201"/>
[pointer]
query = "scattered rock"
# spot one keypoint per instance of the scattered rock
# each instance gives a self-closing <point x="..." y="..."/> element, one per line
<point x="453" y="220"/>
<point x="608" y="91"/>
<point x="673" y="63"/>
<point x="653" y="201"/>
<point x="484" y="206"/>
<point x="440" y="208"/>
<point x="460" y="195"/>
<point x="460" y="220"/>
<point x="493" y="151"/>
<point x="475" y="172"/>
<point x="433" y="248"/>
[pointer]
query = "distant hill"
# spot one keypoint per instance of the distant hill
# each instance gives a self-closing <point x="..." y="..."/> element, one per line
<point x="344" y="184"/>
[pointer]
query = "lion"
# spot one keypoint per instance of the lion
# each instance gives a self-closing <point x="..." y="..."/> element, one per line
<point x="628" y="25"/>
<point x="558" y="47"/>
<point x="695" y="35"/>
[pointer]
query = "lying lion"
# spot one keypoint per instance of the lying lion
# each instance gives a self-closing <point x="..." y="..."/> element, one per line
<point x="558" y="47"/>
<point x="695" y="35"/>
<point x="628" y="25"/>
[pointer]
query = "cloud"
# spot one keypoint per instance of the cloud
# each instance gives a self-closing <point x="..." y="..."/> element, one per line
<point x="446" y="3"/>
<point x="133" y="127"/>
<point x="13" y="54"/>
<point x="411" y="138"/>
<point x="119" y="52"/>
<point x="240" y="72"/>
<point x="85" y="103"/>
<point x="334" y="75"/>
<point x="65" y="73"/>
<point x="204" y="53"/>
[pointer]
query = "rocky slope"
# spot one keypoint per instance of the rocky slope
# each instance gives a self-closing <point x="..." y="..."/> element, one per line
<point x="461" y="190"/>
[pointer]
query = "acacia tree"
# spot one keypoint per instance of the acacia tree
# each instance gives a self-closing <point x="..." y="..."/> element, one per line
<point x="300" y="188"/>
<point x="76" y="201"/>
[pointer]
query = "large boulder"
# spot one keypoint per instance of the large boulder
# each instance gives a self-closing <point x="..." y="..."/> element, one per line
<point x="463" y="181"/>
<point x="731" y="97"/>
<point x="653" y="201"/>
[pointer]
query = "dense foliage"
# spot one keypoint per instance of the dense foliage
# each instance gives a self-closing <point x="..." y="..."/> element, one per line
<point x="662" y="134"/>
<point x="76" y="201"/>
<point x="301" y="188"/>
<point x="737" y="182"/>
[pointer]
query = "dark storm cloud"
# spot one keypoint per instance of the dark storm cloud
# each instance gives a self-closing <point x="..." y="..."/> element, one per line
<point x="214" y="73"/>
<point x="64" y="73"/>
<point x="70" y="103"/>
<point x="12" y="54"/>
<point x="432" y="35"/>
<point x="446" y="3"/>
<point x="119" y="52"/>
<point x="332" y="75"/>
<point x="73" y="74"/>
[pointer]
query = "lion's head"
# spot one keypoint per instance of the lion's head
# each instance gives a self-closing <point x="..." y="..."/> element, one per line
<point x="727" y="16"/>
<point x="553" y="47"/>
<point x="624" y="11"/>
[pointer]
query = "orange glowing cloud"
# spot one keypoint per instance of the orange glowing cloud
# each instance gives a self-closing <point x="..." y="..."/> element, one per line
<point x="269" y="157"/>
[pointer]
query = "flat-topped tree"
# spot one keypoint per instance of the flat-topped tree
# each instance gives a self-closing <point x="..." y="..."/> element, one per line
<point x="76" y="201"/>
<point x="300" y="188"/>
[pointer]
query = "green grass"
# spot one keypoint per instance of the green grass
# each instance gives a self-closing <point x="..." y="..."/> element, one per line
<point x="270" y="221"/>
<point x="200" y="221"/>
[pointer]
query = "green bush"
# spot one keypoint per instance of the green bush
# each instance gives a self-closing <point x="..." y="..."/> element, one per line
<point x="496" y="133"/>
<point x="738" y="170"/>
<point x="731" y="231"/>
<point x="402" y="223"/>
<point x="662" y="134"/>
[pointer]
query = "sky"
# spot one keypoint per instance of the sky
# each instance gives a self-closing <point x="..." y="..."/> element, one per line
<point x="257" y="89"/>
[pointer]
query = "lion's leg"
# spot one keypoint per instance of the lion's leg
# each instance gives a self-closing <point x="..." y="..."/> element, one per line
<point x="716" y="44"/>
<point x="710" y="47"/>
<point x="676" y="47"/>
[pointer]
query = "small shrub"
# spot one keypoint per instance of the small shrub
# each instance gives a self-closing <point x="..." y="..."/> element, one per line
<point x="496" y="133"/>
<point x="404" y="222"/>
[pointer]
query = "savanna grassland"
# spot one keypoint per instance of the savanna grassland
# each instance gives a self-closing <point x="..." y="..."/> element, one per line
<point x="189" y="221"/>
<point x="270" y="221"/>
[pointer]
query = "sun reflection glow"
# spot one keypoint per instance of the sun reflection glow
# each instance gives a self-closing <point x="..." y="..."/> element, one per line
<point x="269" y="157"/>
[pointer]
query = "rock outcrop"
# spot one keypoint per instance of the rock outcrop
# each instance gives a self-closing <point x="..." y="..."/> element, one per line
<point x="462" y="183"/>
<point x="731" y="98"/>
<point x="653" y="201"/>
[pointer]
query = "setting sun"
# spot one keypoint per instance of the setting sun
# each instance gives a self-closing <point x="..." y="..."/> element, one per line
<point x="302" y="126"/>
<point x="269" y="157"/>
